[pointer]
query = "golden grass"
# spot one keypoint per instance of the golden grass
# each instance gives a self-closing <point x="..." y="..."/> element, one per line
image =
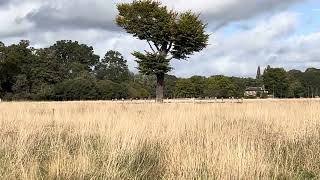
<point x="107" y="140"/>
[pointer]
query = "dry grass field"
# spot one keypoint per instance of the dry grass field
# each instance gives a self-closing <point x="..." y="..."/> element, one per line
<point x="108" y="140"/>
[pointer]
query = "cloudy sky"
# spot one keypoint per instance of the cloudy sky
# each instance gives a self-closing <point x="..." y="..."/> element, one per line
<point x="244" y="33"/>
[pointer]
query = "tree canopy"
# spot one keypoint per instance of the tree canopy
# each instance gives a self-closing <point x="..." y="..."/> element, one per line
<point x="276" y="80"/>
<point x="113" y="67"/>
<point x="170" y="35"/>
<point x="28" y="73"/>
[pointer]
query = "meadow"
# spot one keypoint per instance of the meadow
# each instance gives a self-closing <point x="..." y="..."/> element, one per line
<point x="114" y="140"/>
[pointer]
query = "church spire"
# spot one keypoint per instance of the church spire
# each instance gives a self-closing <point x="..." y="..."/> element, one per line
<point x="258" y="73"/>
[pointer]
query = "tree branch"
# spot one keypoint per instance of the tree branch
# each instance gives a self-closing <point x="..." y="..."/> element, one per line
<point x="151" y="46"/>
<point x="170" y="46"/>
<point x="157" y="46"/>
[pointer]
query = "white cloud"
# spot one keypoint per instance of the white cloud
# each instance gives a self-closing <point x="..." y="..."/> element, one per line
<point x="270" y="39"/>
<point x="222" y="12"/>
<point x="101" y="13"/>
<point x="241" y="53"/>
<point x="12" y="19"/>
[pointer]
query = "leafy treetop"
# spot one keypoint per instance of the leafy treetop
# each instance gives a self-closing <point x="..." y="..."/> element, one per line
<point x="167" y="33"/>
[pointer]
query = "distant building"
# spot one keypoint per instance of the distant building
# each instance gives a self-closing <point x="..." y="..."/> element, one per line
<point x="255" y="92"/>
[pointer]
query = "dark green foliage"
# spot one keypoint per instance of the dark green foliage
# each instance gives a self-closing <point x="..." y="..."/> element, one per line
<point x="21" y="87"/>
<point x="113" y="67"/>
<point x="189" y="36"/>
<point x="47" y="68"/>
<point x="220" y="86"/>
<point x="170" y="86"/>
<point x="199" y="84"/>
<point x="242" y="83"/>
<point x="80" y="88"/>
<point x="148" y="82"/>
<point x="190" y="88"/>
<point x="311" y="82"/>
<point x="147" y="20"/>
<point x="169" y="34"/>
<point x="276" y="81"/>
<point x="296" y="89"/>
<point x="292" y="84"/>
<point x="42" y="74"/>
<point x="152" y="64"/>
<point x="15" y="59"/>
<point x="75" y="58"/>
<point x="136" y="90"/>
<point x="108" y="90"/>
<point x="184" y="89"/>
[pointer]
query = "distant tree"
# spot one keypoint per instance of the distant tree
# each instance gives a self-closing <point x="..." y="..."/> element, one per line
<point x="75" y="58"/>
<point x="169" y="34"/>
<point x="48" y="69"/>
<point x="148" y="82"/>
<point x="276" y="81"/>
<point x="311" y="82"/>
<point x="82" y="87"/>
<point x="108" y="90"/>
<point x="199" y="85"/>
<point x="170" y="86"/>
<point x="241" y="84"/>
<point x="2" y="68"/>
<point x="136" y="90"/>
<point x="21" y="88"/>
<point x="113" y="67"/>
<point x="15" y="59"/>
<point x="220" y="86"/>
<point x="295" y="89"/>
<point x="185" y="89"/>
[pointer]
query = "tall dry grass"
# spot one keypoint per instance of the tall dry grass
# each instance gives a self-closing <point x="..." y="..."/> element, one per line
<point x="105" y="140"/>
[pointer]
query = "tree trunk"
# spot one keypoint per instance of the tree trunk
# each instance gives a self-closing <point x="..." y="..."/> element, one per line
<point x="160" y="88"/>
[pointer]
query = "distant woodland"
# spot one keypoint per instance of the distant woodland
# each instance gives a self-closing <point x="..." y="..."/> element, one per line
<point x="68" y="70"/>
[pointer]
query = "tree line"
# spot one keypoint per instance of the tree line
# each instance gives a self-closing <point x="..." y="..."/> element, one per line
<point x="68" y="70"/>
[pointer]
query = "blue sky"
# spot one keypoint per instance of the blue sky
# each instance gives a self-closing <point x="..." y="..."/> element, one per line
<point x="245" y="33"/>
<point x="309" y="16"/>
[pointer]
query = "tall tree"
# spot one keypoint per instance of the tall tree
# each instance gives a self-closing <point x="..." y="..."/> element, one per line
<point x="170" y="35"/>
<point x="296" y="89"/>
<point x="276" y="81"/>
<point x="15" y="59"/>
<point x="75" y="58"/>
<point x="220" y="86"/>
<point x="311" y="82"/>
<point x="113" y="67"/>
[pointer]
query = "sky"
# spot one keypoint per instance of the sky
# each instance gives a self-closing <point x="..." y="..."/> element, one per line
<point x="244" y="34"/>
